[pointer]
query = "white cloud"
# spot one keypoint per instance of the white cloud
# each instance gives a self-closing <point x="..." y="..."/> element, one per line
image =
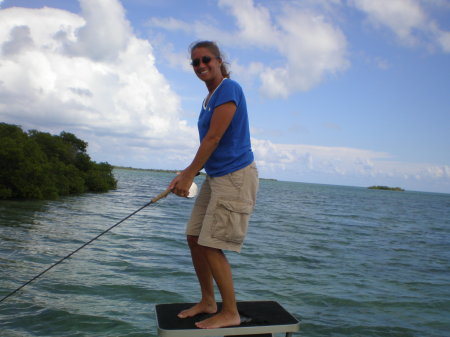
<point x="338" y="165"/>
<point x="87" y="74"/>
<point x="104" y="34"/>
<point x="407" y="19"/>
<point x="170" y="24"/>
<point x="401" y="16"/>
<point x="309" y="46"/>
<point x="442" y="37"/>
<point x="305" y="45"/>
<point x="63" y="71"/>
<point x="313" y="49"/>
<point x="331" y="160"/>
<point x="254" y="23"/>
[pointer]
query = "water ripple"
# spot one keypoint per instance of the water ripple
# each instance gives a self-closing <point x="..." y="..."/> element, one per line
<point x="347" y="261"/>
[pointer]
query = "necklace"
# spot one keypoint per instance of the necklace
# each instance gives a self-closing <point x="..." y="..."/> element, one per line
<point x="208" y="97"/>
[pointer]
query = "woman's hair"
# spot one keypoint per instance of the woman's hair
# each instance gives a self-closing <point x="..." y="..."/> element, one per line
<point x="214" y="49"/>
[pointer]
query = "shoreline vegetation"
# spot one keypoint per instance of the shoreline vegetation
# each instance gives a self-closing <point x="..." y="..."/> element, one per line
<point x="386" y="188"/>
<point x="38" y="165"/>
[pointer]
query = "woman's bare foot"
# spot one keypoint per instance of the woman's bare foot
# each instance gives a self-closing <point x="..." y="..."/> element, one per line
<point x="221" y="320"/>
<point x="199" y="308"/>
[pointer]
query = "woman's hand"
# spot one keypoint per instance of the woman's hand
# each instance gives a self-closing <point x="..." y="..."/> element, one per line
<point x="181" y="184"/>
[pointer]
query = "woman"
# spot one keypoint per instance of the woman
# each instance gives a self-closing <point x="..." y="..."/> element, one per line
<point x="220" y="215"/>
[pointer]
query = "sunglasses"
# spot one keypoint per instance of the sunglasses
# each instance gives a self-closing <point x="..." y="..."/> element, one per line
<point x="204" y="59"/>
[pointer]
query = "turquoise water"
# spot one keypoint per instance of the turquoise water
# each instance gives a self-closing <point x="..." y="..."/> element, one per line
<point x="346" y="261"/>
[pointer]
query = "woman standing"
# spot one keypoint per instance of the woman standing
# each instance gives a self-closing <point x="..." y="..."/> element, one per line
<point x="220" y="215"/>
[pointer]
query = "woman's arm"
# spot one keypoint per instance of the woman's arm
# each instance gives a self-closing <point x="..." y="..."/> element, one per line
<point x="220" y="121"/>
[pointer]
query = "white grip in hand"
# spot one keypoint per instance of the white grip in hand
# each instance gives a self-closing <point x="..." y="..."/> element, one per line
<point x="193" y="190"/>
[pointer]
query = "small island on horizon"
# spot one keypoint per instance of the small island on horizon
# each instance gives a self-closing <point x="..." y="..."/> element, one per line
<point x="386" y="188"/>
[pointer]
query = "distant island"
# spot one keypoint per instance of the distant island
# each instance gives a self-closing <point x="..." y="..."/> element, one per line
<point x="142" y="169"/>
<point x="386" y="188"/>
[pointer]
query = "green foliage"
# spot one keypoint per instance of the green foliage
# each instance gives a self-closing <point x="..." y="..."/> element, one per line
<point x="386" y="188"/>
<point x="38" y="165"/>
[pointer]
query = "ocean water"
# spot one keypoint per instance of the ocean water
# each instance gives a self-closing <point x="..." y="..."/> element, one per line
<point x="345" y="261"/>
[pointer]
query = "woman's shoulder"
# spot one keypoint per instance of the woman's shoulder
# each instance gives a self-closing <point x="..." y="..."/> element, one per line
<point x="230" y="84"/>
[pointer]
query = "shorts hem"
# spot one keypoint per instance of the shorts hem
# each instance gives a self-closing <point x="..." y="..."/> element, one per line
<point x="224" y="245"/>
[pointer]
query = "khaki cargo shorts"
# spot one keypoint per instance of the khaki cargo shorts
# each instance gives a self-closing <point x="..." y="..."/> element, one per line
<point x="223" y="207"/>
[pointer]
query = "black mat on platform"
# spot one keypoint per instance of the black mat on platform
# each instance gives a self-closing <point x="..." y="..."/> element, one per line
<point x="259" y="313"/>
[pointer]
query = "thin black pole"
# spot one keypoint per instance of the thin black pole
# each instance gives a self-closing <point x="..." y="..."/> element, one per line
<point x="155" y="199"/>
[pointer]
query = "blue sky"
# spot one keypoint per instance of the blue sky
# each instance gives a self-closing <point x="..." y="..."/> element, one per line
<point x="346" y="92"/>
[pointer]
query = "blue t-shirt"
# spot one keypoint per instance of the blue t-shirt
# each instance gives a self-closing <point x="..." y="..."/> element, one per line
<point x="234" y="150"/>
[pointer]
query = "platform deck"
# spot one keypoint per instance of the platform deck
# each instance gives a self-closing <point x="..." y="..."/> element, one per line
<point x="262" y="318"/>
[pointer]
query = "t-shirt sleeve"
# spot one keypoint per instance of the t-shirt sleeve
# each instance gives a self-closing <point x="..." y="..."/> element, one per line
<point x="230" y="91"/>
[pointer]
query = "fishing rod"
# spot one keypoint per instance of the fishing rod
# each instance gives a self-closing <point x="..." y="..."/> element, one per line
<point x="155" y="199"/>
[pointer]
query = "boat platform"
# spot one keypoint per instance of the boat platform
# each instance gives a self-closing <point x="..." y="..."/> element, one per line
<point x="258" y="319"/>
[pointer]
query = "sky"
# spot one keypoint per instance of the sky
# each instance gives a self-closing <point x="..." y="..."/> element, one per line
<point x="342" y="92"/>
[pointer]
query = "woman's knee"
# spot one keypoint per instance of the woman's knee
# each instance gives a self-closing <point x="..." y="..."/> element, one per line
<point x="192" y="241"/>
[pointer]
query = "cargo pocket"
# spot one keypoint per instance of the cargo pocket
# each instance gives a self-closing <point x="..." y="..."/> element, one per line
<point x="231" y="220"/>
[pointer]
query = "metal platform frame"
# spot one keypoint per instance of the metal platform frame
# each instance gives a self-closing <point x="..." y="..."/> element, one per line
<point x="271" y="318"/>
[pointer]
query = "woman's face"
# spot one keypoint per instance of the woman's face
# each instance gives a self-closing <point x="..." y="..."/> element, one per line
<point x="206" y="65"/>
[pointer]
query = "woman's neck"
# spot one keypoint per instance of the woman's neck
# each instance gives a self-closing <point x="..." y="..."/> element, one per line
<point x="210" y="93"/>
<point x="214" y="83"/>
